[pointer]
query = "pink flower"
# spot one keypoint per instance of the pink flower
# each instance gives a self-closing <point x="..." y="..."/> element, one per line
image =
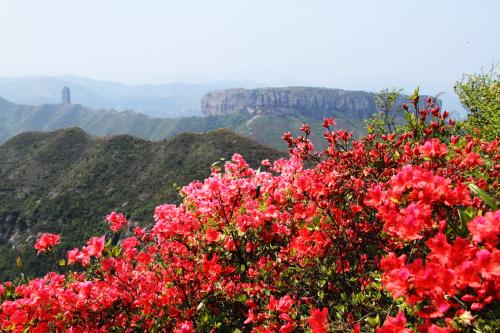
<point x="46" y="241"/>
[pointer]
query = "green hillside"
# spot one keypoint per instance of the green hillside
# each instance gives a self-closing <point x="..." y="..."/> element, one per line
<point x="268" y="129"/>
<point x="67" y="181"/>
<point x="264" y="128"/>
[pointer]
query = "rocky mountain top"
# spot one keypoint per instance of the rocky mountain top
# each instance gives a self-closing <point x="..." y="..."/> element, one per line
<point x="315" y="103"/>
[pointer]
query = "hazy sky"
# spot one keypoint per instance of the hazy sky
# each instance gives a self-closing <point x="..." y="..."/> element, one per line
<point x="345" y="44"/>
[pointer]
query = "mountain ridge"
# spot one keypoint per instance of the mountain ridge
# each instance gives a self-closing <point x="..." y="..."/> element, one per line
<point x="266" y="129"/>
<point x="176" y="99"/>
<point x="67" y="181"/>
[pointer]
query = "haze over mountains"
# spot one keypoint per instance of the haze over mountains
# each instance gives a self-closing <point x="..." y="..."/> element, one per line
<point x="276" y="111"/>
<point x="262" y="114"/>
<point x="176" y="99"/>
<point x="170" y="100"/>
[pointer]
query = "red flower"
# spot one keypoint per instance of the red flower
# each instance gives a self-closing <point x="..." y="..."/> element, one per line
<point x="212" y="235"/>
<point x="116" y="221"/>
<point x="185" y="327"/>
<point x="73" y="256"/>
<point x="318" y="321"/>
<point x="94" y="247"/>
<point x="394" y="324"/>
<point x="287" y="328"/>
<point x="46" y="241"/>
<point x="375" y="197"/>
<point x="436" y="329"/>
<point x="283" y="305"/>
<point x="433" y="148"/>
<point x="327" y="122"/>
<point x="485" y="228"/>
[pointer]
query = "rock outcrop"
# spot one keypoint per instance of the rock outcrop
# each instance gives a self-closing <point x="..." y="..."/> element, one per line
<point x="65" y="96"/>
<point x="9" y="224"/>
<point x="315" y="103"/>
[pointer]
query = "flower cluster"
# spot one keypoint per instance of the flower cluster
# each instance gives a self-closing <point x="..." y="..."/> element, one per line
<point x="390" y="232"/>
<point x="46" y="241"/>
<point x="116" y="221"/>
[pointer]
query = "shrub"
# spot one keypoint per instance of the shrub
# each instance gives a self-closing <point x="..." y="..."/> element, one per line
<point x="392" y="231"/>
<point x="480" y="95"/>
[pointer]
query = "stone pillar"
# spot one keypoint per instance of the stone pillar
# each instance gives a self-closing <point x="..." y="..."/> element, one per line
<point x="65" y="96"/>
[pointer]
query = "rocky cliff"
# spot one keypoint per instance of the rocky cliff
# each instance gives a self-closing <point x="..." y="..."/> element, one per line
<point x="315" y="103"/>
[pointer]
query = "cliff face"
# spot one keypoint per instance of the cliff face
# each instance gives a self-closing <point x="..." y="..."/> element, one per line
<point x="315" y="103"/>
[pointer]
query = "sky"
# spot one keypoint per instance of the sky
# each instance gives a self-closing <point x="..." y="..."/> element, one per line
<point x="350" y="44"/>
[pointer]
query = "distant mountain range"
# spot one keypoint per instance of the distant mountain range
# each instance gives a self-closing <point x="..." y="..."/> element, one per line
<point x="263" y="128"/>
<point x="67" y="181"/>
<point x="176" y="99"/>
<point x="171" y="100"/>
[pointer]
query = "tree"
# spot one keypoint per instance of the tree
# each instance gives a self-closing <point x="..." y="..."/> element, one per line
<point x="384" y="120"/>
<point x="480" y="95"/>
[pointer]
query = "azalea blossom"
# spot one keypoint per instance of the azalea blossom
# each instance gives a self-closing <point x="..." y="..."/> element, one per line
<point x="116" y="221"/>
<point x="46" y="241"/>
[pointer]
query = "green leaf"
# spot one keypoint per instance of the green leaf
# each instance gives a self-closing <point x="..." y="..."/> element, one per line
<point x="488" y="200"/>
<point x="241" y="298"/>
<point x="373" y="321"/>
<point x="465" y="216"/>
<point x="409" y="116"/>
<point x="415" y="95"/>
<point x="62" y="262"/>
<point x="115" y="251"/>
<point x="19" y="263"/>
<point x="395" y="200"/>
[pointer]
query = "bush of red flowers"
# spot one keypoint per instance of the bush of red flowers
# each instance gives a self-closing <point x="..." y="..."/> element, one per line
<point x="392" y="232"/>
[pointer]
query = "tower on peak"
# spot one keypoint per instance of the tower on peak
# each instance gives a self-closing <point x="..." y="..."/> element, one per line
<point x="65" y="96"/>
